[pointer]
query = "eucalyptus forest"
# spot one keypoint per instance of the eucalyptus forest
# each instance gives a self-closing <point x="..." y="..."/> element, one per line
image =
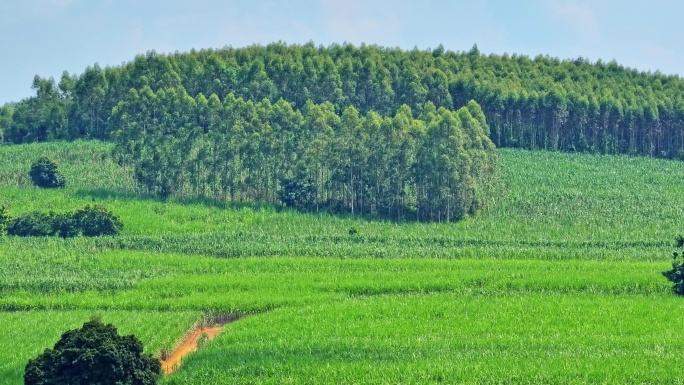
<point x="442" y="164"/>
<point x="531" y="103"/>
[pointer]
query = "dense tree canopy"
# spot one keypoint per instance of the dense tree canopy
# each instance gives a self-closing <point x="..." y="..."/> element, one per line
<point x="6" y="120"/>
<point x="438" y="166"/>
<point x="365" y="130"/>
<point x="94" y="354"/>
<point x="535" y="103"/>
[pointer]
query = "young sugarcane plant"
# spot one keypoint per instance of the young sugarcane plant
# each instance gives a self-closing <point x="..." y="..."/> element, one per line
<point x="676" y="275"/>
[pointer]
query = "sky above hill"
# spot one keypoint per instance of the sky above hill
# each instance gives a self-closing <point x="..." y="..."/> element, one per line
<point x="46" y="37"/>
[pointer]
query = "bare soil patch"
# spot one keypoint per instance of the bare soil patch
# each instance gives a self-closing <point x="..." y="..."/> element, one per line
<point x="190" y="344"/>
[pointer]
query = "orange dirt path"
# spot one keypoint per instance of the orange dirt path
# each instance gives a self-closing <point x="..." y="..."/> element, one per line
<point x="188" y="346"/>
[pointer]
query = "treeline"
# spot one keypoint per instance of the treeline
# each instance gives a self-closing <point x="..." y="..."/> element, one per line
<point x="437" y="167"/>
<point x="539" y="103"/>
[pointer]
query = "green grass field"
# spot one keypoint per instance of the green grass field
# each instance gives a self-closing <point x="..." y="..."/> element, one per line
<point x="558" y="282"/>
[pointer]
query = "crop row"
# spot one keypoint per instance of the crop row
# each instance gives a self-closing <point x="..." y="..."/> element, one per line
<point x="447" y="338"/>
<point x="156" y="281"/>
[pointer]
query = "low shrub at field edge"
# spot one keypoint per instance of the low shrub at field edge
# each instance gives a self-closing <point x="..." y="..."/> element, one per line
<point x="90" y="221"/>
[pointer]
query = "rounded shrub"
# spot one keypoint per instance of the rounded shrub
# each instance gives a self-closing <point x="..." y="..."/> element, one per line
<point x="96" y="220"/>
<point x="64" y="225"/>
<point x="298" y="192"/>
<point x="90" y="221"/>
<point x="33" y="224"/>
<point x="44" y="174"/>
<point x="94" y="354"/>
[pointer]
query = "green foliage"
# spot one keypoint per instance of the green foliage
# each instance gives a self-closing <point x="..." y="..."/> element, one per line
<point x="65" y="225"/>
<point x="42" y="328"/>
<point x="96" y="220"/>
<point x="94" y="354"/>
<point x="90" y="221"/>
<point x="298" y="192"/>
<point x="5" y="218"/>
<point x="40" y="118"/>
<point x="6" y="113"/>
<point x="32" y="224"/>
<point x="676" y="275"/>
<point x="364" y="165"/>
<point x="532" y="103"/>
<point x="44" y="173"/>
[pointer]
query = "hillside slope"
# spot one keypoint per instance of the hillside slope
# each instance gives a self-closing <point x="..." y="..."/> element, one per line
<point x="558" y="282"/>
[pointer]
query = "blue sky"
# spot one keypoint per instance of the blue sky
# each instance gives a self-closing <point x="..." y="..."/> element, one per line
<point x="46" y="37"/>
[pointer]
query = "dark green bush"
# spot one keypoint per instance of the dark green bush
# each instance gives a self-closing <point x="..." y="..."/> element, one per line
<point x="94" y="354"/>
<point x="90" y="221"/>
<point x="93" y="221"/>
<point x="33" y="224"/>
<point x="64" y="225"/>
<point x="44" y="174"/>
<point x="298" y="192"/>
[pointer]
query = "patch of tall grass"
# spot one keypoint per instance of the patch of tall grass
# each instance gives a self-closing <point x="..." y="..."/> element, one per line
<point x="162" y="282"/>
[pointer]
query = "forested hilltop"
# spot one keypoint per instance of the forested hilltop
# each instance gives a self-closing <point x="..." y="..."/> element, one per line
<point x="540" y="103"/>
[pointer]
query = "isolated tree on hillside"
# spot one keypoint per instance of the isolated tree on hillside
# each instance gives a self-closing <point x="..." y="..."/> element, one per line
<point x="44" y="174"/>
<point x="93" y="354"/>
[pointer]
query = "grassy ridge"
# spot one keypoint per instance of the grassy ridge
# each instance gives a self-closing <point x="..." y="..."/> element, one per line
<point x="559" y="282"/>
